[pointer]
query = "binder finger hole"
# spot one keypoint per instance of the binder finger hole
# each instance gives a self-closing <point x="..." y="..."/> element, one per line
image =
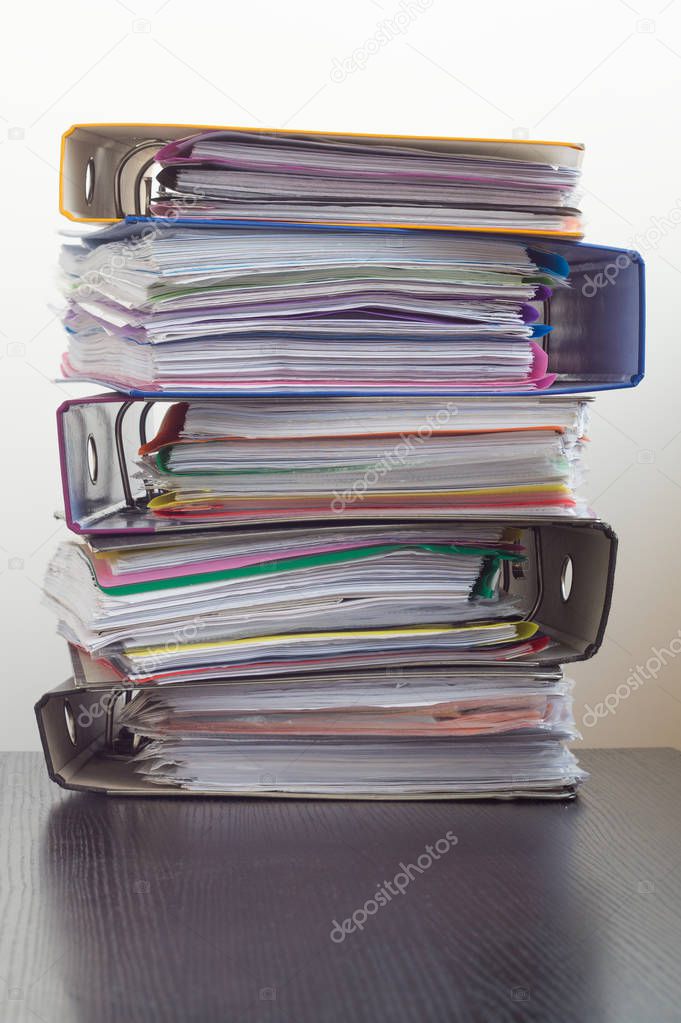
<point x="70" y="720"/>
<point x="90" y="181"/>
<point x="566" y="578"/>
<point x="92" y="459"/>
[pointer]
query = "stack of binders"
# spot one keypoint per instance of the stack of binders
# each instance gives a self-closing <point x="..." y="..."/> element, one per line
<point x="332" y="536"/>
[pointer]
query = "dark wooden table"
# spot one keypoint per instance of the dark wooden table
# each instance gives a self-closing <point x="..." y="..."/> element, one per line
<point x="153" y="909"/>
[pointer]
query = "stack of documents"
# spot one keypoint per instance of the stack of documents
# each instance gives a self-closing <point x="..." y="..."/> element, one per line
<point x="363" y="767"/>
<point x="328" y="526"/>
<point x="411" y="733"/>
<point x="262" y="602"/>
<point x="271" y="176"/>
<point x="169" y="307"/>
<point x="235" y="462"/>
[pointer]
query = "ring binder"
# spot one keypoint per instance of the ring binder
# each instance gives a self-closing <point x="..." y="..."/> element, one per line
<point x="94" y="760"/>
<point x="112" y="503"/>
<point x="591" y="338"/>
<point x="119" y="155"/>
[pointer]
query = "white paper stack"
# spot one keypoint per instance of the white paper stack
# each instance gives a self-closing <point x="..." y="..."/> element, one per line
<point x="235" y="462"/>
<point x="522" y="186"/>
<point x="261" y="602"/>
<point x="401" y="734"/>
<point x="190" y="308"/>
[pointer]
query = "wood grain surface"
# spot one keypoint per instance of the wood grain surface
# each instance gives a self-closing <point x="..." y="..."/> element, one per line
<point x="216" y="910"/>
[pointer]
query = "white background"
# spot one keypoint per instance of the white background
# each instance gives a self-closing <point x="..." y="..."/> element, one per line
<point x="606" y="74"/>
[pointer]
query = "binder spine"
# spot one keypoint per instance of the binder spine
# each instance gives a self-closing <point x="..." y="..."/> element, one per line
<point x="98" y="439"/>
